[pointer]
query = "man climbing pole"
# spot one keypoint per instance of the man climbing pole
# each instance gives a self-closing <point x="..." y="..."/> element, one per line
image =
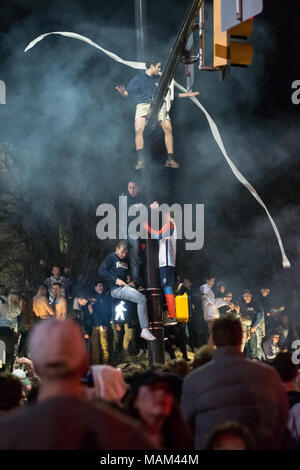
<point x="142" y="87"/>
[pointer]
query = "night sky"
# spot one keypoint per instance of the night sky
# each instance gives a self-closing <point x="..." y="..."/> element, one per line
<point x="73" y="134"/>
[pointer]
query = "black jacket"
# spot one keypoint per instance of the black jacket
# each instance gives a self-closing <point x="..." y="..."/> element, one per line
<point x="113" y="268"/>
<point x="252" y="310"/>
<point x="102" y="309"/>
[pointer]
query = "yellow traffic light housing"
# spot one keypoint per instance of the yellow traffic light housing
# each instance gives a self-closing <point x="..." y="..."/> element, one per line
<point x="221" y="39"/>
<point x="241" y="51"/>
<point x="231" y="47"/>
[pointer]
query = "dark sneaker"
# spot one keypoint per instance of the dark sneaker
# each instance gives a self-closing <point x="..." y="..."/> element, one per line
<point x="172" y="163"/>
<point x="186" y="358"/>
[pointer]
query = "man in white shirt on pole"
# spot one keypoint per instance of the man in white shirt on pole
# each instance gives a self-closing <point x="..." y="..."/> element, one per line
<point x="210" y="305"/>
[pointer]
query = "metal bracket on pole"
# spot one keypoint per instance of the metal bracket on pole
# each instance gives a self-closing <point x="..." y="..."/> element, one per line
<point x="201" y="37"/>
<point x="190" y="59"/>
<point x="239" y="10"/>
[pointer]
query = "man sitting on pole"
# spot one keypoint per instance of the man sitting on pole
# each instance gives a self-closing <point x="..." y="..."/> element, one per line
<point x="114" y="269"/>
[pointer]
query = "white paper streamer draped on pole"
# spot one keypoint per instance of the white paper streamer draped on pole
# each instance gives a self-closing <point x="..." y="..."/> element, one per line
<point x="211" y="122"/>
<point x="238" y="174"/>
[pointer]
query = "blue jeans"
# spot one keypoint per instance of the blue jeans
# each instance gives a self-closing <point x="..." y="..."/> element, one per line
<point x="131" y="294"/>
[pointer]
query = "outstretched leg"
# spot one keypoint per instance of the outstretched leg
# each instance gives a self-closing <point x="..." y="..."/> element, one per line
<point x="170" y="299"/>
<point x="139" y="125"/>
<point x="168" y="131"/>
<point x="128" y="293"/>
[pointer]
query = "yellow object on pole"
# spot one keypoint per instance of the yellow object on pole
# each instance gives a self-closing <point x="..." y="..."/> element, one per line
<point x="241" y="51"/>
<point x="182" y="308"/>
<point x="231" y="47"/>
<point x="243" y="29"/>
<point x="221" y="39"/>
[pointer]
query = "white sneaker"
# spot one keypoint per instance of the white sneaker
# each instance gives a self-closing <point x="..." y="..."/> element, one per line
<point x="147" y="335"/>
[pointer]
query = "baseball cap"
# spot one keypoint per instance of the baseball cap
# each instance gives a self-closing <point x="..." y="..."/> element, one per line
<point x="173" y="381"/>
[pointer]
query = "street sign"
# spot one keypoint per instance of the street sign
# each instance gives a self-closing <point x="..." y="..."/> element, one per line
<point x="234" y="12"/>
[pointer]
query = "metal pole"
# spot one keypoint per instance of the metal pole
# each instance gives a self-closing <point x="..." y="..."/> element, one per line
<point x="239" y="10"/>
<point x="140" y="29"/>
<point x="153" y="290"/>
<point x="189" y="67"/>
<point x="154" y="303"/>
<point x="201" y="37"/>
<point x="172" y="62"/>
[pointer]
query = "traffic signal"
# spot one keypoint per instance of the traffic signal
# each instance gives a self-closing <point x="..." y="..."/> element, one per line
<point x="241" y="51"/>
<point x="221" y="39"/>
<point x="231" y="47"/>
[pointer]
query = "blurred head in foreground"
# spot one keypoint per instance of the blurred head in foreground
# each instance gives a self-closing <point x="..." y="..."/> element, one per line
<point x="59" y="356"/>
<point x="230" y="436"/>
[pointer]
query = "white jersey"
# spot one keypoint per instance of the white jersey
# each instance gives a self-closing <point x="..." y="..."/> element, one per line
<point x="167" y="246"/>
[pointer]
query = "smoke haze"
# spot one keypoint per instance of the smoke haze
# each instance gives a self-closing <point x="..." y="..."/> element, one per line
<point x="73" y="134"/>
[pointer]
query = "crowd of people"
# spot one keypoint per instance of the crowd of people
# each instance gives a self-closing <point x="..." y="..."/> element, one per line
<point x="268" y="327"/>
<point x="74" y="360"/>
<point x="221" y="400"/>
<point x="113" y="322"/>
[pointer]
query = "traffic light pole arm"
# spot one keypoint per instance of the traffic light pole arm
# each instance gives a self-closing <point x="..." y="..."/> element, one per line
<point x="172" y="62"/>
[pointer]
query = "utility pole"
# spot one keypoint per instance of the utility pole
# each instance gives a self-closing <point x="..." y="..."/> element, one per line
<point x="173" y="61"/>
<point x="153" y="289"/>
<point x="140" y="29"/>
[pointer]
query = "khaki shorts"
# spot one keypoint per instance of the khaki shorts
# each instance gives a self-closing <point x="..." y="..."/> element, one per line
<point x="142" y="110"/>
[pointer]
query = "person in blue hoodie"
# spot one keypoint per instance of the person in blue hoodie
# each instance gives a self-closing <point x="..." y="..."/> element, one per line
<point x="142" y="88"/>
